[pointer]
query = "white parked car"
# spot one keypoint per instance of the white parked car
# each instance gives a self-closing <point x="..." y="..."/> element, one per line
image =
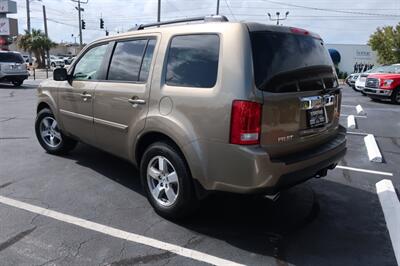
<point x="360" y="81"/>
<point x="55" y="61"/>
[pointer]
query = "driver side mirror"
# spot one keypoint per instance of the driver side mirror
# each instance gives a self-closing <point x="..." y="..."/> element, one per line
<point x="60" y="74"/>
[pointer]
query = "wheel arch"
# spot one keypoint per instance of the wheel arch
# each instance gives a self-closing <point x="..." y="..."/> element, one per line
<point x="146" y="139"/>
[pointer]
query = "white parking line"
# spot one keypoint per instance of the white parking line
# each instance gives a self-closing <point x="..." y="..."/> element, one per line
<point x="185" y="252"/>
<point x="364" y="170"/>
<point x="391" y="210"/>
<point x="346" y="105"/>
<point x="356" y="133"/>
<point x="358" y="116"/>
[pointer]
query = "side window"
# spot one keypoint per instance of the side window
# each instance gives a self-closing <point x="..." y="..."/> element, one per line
<point x="126" y="60"/>
<point x="89" y="65"/>
<point x="193" y="61"/>
<point x="144" y="71"/>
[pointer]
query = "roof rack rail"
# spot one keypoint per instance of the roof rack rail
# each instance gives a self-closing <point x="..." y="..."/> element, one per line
<point x="211" y="18"/>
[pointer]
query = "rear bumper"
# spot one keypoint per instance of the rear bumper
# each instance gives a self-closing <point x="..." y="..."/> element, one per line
<point x="249" y="170"/>
<point x="11" y="77"/>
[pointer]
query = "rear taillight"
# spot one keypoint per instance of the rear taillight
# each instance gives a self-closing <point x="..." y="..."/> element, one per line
<point x="245" y="122"/>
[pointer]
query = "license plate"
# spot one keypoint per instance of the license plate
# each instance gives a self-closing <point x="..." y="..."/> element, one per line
<point x="316" y="117"/>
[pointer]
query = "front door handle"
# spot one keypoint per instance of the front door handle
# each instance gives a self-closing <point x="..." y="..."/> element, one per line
<point x="137" y="101"/>
<point x="85" y="96"/>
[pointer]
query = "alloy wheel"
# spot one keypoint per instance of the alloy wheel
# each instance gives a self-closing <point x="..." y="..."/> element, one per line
<point x="49" y="132"/>
<point x="162" y="181"/>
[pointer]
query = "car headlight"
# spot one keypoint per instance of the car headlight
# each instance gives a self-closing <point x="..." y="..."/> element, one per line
<point x="387" y="82"/>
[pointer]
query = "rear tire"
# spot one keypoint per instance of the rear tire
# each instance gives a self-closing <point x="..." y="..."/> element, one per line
<point x="49" y="135"/>
<point x="167" y="181"/>
<point x="396" y="96"/>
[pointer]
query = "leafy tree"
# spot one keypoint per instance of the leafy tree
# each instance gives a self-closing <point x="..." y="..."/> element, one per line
<point x="386" y="42"/>
<point x="37" y="43"/>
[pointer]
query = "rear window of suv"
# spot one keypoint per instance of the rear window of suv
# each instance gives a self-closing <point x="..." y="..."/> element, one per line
<point x="193" y="61"/>
<point x="11" y="58"/>
<point x="285" y="62"/>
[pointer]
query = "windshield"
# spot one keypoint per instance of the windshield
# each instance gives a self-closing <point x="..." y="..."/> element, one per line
<point x="393" y="69"/>
<point x="285" y="56"/>
<point x="11" y="58"/>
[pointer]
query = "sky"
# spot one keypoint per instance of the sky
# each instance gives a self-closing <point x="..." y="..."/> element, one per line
<point x="337" y="22"/>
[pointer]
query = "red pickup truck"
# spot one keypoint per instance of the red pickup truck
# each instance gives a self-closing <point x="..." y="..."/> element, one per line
<point x="384" y="86"/>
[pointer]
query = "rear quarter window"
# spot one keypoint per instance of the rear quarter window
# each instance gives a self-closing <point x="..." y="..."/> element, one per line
<point x="193" y="61"/>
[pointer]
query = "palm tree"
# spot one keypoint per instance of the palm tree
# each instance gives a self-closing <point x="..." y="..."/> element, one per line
<point x="36" y="42"/>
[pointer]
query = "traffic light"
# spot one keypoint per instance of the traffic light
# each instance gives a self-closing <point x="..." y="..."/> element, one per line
<point x="101" y="23"/>
<point x="83" y="24"/>
<point x="107" y="33"/>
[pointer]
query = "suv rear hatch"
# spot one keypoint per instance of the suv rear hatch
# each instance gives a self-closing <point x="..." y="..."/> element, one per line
<point x="295" y="73"/>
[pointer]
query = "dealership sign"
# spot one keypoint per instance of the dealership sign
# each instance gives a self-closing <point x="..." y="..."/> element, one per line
<point x="7" y="6"/>
<point x="8" y="26"/>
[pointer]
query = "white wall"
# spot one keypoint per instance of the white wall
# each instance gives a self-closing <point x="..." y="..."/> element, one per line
<point x="353" y="53"/>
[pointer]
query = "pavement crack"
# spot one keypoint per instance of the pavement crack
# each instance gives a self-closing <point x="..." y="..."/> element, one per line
<point x="11" y="241"/>
<point x="146" y="259"/>
<point x="6" y="138"/>
<point x="6" y="184"/>
<point x="8" y="119"/>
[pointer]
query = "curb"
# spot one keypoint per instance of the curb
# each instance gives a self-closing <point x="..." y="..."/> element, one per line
<point x="351" y="122"/>
<point x="372" y="148"/>
<point x="391" y="210"/>
<point x="360" y="110"/>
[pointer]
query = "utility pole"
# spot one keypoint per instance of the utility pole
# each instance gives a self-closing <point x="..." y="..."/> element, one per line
<point x="28" y="16"/>
<point x="28" y="25"/>
<point x="278" y="19"/>
<point x="47" y="35"/>
<point x="80" y="18"/>
<point x="217" y="7"/>
<point x="159" y="11"/>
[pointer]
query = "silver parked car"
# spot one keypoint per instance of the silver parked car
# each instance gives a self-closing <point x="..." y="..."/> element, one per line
<point x="12" y="68"/>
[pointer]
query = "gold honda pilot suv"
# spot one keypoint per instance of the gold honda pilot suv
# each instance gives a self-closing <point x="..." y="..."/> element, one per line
<point x="200" y="107"/>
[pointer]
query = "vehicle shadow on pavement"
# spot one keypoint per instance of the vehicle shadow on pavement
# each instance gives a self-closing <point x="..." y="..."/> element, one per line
<point x="112" y="167"/>
<point x="320" y="222"/>
<point x="10" y="87"/>
<point x="317" y="223"/>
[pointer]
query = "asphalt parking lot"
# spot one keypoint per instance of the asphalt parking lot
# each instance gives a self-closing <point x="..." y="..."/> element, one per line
<point x="336" y="220"/>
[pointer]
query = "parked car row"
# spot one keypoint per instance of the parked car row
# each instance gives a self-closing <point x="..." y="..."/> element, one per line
<point x="55" y="61"/>
<point x="380" y="83"/>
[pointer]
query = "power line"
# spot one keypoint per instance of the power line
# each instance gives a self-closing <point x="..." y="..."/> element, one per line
<point x="331" y="10"/>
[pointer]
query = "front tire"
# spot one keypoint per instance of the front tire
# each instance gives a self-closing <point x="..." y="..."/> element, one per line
<point x="49" y="135"/>
<point x="167" y="181"/>
<point x="396" y="96"/>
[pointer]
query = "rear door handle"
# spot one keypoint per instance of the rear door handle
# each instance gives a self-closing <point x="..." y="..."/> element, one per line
<point x="137" y="101"/>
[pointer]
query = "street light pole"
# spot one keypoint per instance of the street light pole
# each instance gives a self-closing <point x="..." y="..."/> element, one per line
<point x="278" y="19"/>
<point x="217" y="7"/>
<point x="159" y="11"/>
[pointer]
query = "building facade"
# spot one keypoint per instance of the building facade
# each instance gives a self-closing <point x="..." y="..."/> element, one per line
<point x="354" y="57"/>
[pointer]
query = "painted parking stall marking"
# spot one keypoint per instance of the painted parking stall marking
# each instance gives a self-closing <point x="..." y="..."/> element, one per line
<point x="111" y="231"/>
<point x="364" y="170"/>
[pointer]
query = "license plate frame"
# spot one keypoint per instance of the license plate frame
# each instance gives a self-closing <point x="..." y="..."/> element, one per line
<point x="316" y="117"/>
